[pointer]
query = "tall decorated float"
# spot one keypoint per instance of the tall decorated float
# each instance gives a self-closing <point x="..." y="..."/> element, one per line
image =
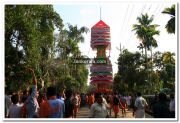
<point x="101" y="72"/>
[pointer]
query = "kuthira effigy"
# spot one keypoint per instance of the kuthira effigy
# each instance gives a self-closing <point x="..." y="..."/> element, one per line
<point x="101" y="73"/>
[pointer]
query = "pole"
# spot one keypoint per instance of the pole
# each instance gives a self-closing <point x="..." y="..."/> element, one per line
<point x="120" y="49"/>
<point x="100" y="13"/>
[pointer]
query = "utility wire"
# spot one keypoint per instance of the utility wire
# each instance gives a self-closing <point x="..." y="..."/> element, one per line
<point x="129" y="19"/>
<point x="122" y="27"/>
<point x="156" y="8"/>
<point x="138" y="14"/>
<point x="158" y="13"/>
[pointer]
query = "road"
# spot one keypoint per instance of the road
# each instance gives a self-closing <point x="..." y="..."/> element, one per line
<point x="84" y="113"/>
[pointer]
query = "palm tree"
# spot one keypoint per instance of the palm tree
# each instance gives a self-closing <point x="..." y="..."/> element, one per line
<point x="70" y="38"/>
<point x="73" y="36"/>
<point x="170" y="26"/>
<point x="68" y="46"/>
<point x="145" y="32"/>
<point x="76" y="34"/>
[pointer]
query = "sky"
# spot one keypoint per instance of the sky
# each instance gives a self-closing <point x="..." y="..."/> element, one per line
<point x="120" y="16"/>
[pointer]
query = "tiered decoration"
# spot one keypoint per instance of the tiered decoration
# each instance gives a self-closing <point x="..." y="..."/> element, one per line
<point x="101" y="73"/>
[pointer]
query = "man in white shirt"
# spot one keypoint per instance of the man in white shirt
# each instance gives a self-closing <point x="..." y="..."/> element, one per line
<point x="98" y="109"/>
<point x="140" y="104"/>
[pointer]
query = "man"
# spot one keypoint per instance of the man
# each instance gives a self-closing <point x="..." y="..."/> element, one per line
<point x="32" y="105"/>
<point x="90" y="99"/>
<point x="98" y="109"/>
<point x="123" y="105"/>
<point x="128" y="101"/>
<point x="161" y="108"/>
<point x="172" y="106"/>
<point x="62" y="98"/>
<point x="76" y="104"/>
<point x="51" y="108"/>
<point x="68" y="105"/>
<point x="7" y="101"/>
<point x="55" y="104"/>
<point x="116" y="104"/>
<point x="15" y="108"/>
<point x="140" y="104"/>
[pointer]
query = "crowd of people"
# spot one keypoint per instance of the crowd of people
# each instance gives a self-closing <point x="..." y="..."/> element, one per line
<point x="52" y="104"/>
<point x="105" y="104"/>
<point x="66" y="103"/>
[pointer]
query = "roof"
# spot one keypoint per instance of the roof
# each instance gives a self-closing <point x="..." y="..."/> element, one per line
<point x="100" y="24"/>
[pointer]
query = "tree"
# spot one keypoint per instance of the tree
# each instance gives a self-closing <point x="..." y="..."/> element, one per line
<point x="30" y="42"/>
<point x="130" y="71"/>
<point x="29" y="39"/>
<point x="133" y="76"/>
<point x="157" y="60"/>
<point x="168" y="57"/>
<point x="170" y="26"/>
<point x="145" y="32"/>
<point x="76" y="34"/>
<point x="118" y="85"/>
<point x="67" y="46"/>
<point x="165" y="67"/>
<point x="168" y="70"/>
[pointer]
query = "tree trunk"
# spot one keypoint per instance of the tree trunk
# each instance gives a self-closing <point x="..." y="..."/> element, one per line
<point x="145" y="57"/>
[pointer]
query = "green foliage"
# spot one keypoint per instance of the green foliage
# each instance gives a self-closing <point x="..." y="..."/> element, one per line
<point x="168" y="70"/>
<point x="30" y="42"/>
<point x="146" y="31"/>
<point x="170" y="26"/>
<point x="90" y="88"/>
<point x="130" y="70"/>
<point x="67" y="49"/>
<point x="118" y="85"/>
<point x="132" y="74"/>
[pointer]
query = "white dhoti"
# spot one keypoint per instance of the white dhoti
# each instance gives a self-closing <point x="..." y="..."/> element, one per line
<point x="140" y="113"/>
